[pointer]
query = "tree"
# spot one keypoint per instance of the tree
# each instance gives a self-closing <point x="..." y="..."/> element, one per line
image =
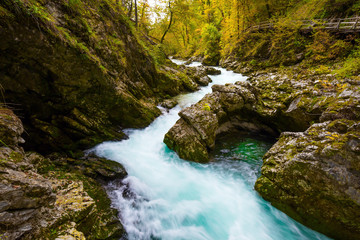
<point x="170" y="22"/>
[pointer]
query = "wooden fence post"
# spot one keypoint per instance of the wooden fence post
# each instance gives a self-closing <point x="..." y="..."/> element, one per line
<point x="356" y="22"/>
<point x="338" y="26"/>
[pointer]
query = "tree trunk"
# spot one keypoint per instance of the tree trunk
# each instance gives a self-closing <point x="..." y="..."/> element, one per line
<point x="130" y="9"/>
<point x="268" y="9"/>
<point x="142" y="17"/>
<point x="170" y="22"/>
<point x="136" y="14"/>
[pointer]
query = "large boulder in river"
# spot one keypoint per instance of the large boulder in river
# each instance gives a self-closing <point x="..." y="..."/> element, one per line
<point x="314" y="177"/>
<point x="228" y="107"/>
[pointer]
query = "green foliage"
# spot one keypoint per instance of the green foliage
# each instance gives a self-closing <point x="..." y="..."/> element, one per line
<point x="325" y="47"/>
<point x="351" y="65"/>
<point x="286" y="42"/>
<point x="158" y="54"/>
<point x="211" y="43"/>
<point x="322" y="69"/>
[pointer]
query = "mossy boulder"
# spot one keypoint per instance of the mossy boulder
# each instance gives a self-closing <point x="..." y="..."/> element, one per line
<point x="11" y="128"/>
<point x="45" y="198"/>
<point x="313" y="177"/>
<point x="211" y="60"/>
<point x="228" y="108"/>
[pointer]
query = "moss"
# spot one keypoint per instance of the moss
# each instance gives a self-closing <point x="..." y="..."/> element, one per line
<point x="5" y="13"/>
<point x="98" y="222"/>
<point x="16" y="157"/>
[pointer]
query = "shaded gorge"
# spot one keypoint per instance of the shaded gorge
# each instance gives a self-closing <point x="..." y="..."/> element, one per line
<point x="165" y="197"/>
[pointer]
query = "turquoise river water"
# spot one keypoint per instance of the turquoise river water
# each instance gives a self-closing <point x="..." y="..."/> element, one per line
<point x="167" y="198"/>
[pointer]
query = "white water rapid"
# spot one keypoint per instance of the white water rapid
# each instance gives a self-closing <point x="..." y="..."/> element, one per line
<point x="167" y="198"/>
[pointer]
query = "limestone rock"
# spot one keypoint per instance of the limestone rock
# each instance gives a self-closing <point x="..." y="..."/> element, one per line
<point x="183" y="139"/>
<point x="11" y="128"/>
<point x="314" y="177"/>
<point x="40" y="196"/>
<point x="195" y="133"/>
<point x="24" y="194"/>
<point x="169" y="103"/>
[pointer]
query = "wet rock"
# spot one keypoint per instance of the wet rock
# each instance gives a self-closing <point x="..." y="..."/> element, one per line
<point x="169" y="103"/>
<point x="199" y="75"/>
<point x="204" y="81"/>
<point x="195" y="133"/>
<point x="212" y="71"/>
<point x="313" y="177"/>
<point x="183" y="139"/>
<point x="101" y="168"/>
<point x="194" y="59"/>
<point x="40" y="196"/>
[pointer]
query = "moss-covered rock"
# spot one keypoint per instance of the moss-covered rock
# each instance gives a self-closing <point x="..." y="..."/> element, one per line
<point x="56" y="197"/>
<point x="228" y="108"/>
<point x="313" y="177"/>
<point x="79" y="73"/>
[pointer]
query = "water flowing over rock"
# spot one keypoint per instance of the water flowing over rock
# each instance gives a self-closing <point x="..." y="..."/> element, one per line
<point x="312" y="172"/>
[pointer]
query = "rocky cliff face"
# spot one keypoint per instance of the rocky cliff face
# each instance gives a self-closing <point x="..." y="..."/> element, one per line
<point x="42" y="198"/>
<point x="312" y="172"/>
<point x="77" y="74"/>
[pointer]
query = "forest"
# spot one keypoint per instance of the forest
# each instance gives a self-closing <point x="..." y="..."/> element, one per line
<point x="218" y="29"/>
<point x="179" y="119"/>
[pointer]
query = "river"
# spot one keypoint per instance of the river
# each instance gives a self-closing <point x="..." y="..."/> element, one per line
<point x="167" y="198"/>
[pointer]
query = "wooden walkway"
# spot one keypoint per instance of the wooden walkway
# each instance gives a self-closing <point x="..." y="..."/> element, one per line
<point x="341" y="25"/>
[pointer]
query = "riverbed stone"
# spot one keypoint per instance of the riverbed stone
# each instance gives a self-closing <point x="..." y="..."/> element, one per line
<point x="201" y="122"/>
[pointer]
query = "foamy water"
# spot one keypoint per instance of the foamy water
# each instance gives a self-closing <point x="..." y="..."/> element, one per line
<point x="165" y="197"/>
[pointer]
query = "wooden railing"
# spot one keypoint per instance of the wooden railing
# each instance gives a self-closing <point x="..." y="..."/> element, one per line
<point x="345" y="25"/>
